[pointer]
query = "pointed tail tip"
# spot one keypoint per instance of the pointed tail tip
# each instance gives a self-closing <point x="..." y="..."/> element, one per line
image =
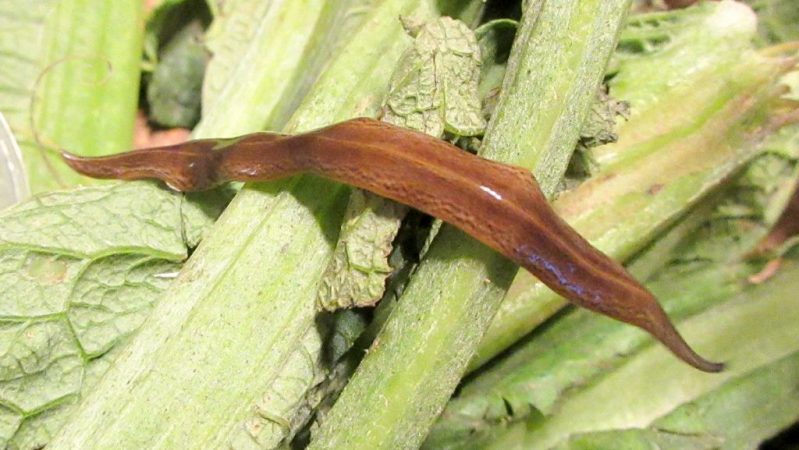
<point x="684" y="351"/>
<point x="673" y="340"/>
<point x="707" y="366"/>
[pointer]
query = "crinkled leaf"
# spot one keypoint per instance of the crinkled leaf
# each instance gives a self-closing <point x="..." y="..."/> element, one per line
<point x="113" y="297"/>
<point x="598" y="129"/>
<point x="356" y="275"/>
<point x="79" y="272"/>
<point x="36" y="430"/>
<point x="434" y="87"/>
<point x="91" y="222"/>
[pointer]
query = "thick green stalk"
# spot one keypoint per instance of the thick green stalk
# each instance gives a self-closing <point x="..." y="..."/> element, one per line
<point x="749" y="330"/>
<point x="769" y="391"/>
<point x="418" y="358"/>
<point x="71" y="80"/>
<point x="296" y="38"/>
<point x="198" y="374"/>
<point x="739" y="414"/>
<point x="625" y="206"/>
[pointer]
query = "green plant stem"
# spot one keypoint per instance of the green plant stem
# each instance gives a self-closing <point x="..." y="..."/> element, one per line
<point x="295" y="38"/>
<point x="418" y="358"/>
<point x="749" y="331"/>
<point x="72" y="81"/>
<point x="722" y="418"/>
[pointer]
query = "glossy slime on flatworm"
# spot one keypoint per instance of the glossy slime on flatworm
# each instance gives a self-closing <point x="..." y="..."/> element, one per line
<point x="498" y="204"/>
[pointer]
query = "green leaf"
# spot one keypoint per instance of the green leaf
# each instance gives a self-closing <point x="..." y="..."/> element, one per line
<point x="70" y="80"/>
<point x="357" y="273"/>
<point x="173" y="90"/>
<point x="599" y="126"/>
<point x="88" y="222"/>
<point x="113" y="297"/>
<point x="80" y="271"/>
<point x="598" y="129"/>
<point x="434" y="88"/>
